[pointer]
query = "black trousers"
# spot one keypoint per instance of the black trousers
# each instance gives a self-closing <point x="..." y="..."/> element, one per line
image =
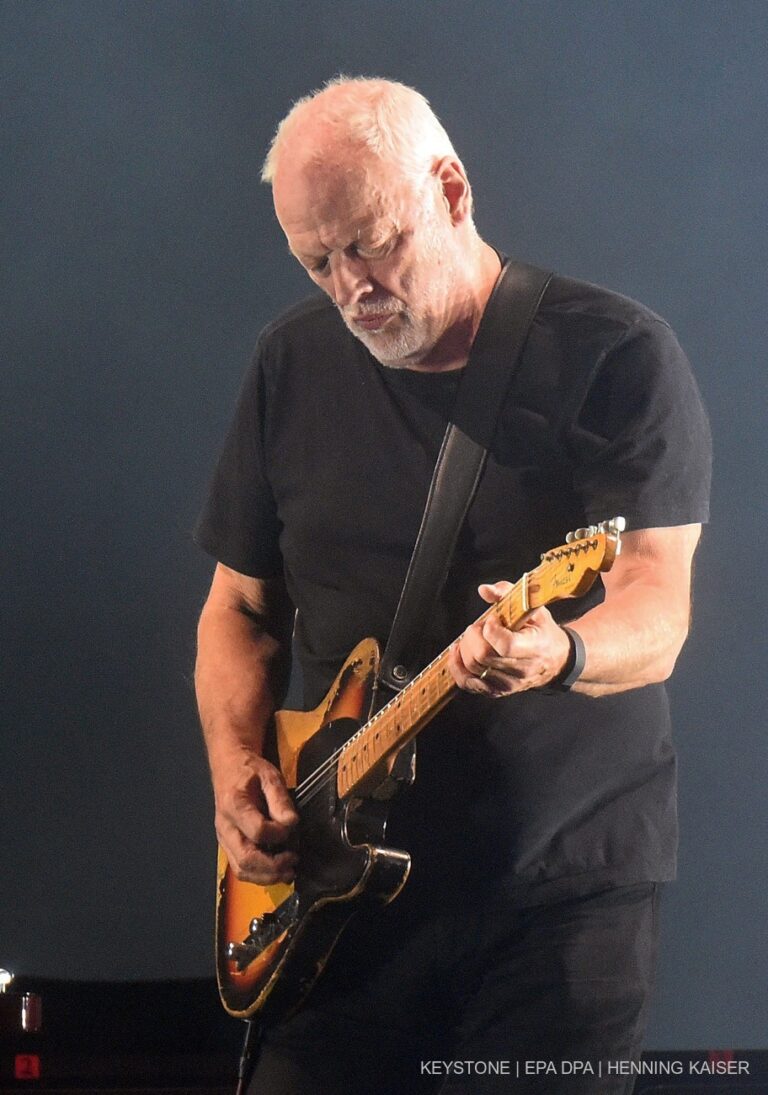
<point x="475" y="1000"/>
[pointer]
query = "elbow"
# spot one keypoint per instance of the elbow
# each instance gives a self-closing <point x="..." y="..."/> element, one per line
<point x="666" y="662"/>
<point x="662" y="671"/>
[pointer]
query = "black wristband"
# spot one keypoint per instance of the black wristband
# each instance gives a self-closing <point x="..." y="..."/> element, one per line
<point x="574" y="666"/>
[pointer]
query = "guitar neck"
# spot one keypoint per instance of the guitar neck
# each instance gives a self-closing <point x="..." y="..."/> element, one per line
<point x="566" y="571"/>
<point x="417" y="704"/>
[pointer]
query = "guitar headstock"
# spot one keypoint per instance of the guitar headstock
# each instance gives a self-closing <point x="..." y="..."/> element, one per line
<point x="612" y="528"/>
<point x="570" y="570"/>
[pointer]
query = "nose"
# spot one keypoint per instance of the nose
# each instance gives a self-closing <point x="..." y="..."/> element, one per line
<point x="350" y="278"/>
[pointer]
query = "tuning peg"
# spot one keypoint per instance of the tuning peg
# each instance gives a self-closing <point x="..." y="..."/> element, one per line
<point x="581" y="534"/>
<point x="613" y="527"/>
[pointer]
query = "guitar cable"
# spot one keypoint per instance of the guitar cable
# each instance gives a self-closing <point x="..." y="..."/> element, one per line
<point x="249" y="1055"/>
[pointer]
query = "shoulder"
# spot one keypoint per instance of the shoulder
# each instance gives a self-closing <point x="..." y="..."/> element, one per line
<point x="298" y="326"/>
<point x="581" y="330"/>
<point x="583" y="311"/>
<point x="305" y="350"/>
<point x="301" y="344"/>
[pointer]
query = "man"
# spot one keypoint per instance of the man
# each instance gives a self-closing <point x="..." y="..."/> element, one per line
<point x="541" y="822"/>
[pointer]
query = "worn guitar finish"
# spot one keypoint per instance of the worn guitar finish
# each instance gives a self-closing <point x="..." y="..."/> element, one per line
<point x="272" y="942"/>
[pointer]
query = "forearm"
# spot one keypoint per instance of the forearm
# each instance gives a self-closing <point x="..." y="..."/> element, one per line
<point x="630" y="641"/>
<point x="242" y="662"/>
<point x="634" y="637"/>
<point x="237" y="675"/>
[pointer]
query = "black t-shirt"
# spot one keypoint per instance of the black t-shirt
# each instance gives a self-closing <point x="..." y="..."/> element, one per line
<point x="324" y="476"/>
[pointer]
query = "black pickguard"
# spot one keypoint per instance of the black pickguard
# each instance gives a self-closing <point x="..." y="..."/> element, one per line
<point x="329" y="865"/>
<point x="342" y="868"/>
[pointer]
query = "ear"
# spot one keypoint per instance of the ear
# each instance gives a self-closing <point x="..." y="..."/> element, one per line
<point x="455" y="188"/>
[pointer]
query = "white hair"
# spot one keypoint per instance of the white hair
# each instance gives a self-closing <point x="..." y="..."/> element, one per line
<point x="390" y="120"/>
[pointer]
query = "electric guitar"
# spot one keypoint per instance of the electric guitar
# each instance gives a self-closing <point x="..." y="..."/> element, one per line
<point x="272" y="942"/>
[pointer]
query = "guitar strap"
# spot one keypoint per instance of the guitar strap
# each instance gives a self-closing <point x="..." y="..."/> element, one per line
<point x="486" y="378"/>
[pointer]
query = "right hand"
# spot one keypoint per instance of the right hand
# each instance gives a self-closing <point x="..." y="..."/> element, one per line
<point x="255" y="817"/>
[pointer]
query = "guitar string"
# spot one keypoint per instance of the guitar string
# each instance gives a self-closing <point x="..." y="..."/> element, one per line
<point x="309" y="787"/>
<point x="325" y="773"/>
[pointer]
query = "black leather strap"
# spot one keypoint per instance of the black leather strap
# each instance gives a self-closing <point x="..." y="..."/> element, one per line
<point x="495" y="353"/>
<point x="574" y="665"/>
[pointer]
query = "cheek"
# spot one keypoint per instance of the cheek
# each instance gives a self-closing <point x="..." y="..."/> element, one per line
<point x="410" y="281"/>
<point x="390" y="279"/>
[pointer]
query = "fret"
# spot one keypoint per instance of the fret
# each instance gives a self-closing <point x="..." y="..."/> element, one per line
<point x="410" y="710"/>
<point x="565" y="571"/>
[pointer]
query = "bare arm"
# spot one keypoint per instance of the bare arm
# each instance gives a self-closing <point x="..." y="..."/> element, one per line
<point x="632" y="639"/>
<point x="243" y="642"/>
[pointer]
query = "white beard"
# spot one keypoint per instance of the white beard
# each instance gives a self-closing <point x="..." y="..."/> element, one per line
<point x="398" y="348"/>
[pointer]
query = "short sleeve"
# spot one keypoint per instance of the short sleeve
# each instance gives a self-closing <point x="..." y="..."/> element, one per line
<point x="239" y="525"/>
<point x="641" y="441"/>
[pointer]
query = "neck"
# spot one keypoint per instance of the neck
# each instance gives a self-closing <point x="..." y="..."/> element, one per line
<point x="451" y="350"/>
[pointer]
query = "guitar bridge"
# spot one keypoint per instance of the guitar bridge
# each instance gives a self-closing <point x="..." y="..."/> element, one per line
<point x="263" y="930"/>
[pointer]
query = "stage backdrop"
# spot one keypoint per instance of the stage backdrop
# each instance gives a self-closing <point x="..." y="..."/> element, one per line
<point x="621" y="142"/>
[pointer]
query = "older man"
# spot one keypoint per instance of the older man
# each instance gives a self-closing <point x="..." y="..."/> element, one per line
<point x="542" y="822"/>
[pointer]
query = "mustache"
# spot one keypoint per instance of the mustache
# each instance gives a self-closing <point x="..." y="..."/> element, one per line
<point x="374" y="308"/>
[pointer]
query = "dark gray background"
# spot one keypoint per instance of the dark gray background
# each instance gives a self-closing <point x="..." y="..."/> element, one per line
<point x="624" y="142"/>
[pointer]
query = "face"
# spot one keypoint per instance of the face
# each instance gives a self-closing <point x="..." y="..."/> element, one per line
<point x="383" y="252"/>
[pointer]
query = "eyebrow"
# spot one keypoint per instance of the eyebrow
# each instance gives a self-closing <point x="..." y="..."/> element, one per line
<point x="307" y="259"/>
<point x="303" y="258"/>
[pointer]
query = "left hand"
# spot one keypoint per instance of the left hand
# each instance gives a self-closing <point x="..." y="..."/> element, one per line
<point x="508" y="661"/>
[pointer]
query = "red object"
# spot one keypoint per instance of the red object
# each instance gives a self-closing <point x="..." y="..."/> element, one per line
<point x="721" y="1055"/>
<point x="27" y="1066"/>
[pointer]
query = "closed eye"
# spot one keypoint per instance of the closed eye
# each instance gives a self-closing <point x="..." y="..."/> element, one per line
<point x="380" y="251"/>
<point x="320" y="267"/>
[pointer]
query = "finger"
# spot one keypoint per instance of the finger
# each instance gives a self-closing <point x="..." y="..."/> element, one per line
<point x="252" y="868"/>
<point x="463" y="676"/>
<point x="260" y="830"/>
<point x="504" y="643"/>
<point x="538" y="617"/>
<point x="474" y="651"/>
<point x="500" y="654"/>
<point x="485" y="682"/>
<point x="253" y="864"/>
<point x="486" y="643"/>
<point x="494" y="683"/>
<point x="493" y="670"/>
<point x="279" y="802"/>
<point x="493" y="591"/>
<point x="528" y="634"/>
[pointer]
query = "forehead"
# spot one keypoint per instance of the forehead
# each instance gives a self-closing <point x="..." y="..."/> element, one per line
<point x="338" y="199"/>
